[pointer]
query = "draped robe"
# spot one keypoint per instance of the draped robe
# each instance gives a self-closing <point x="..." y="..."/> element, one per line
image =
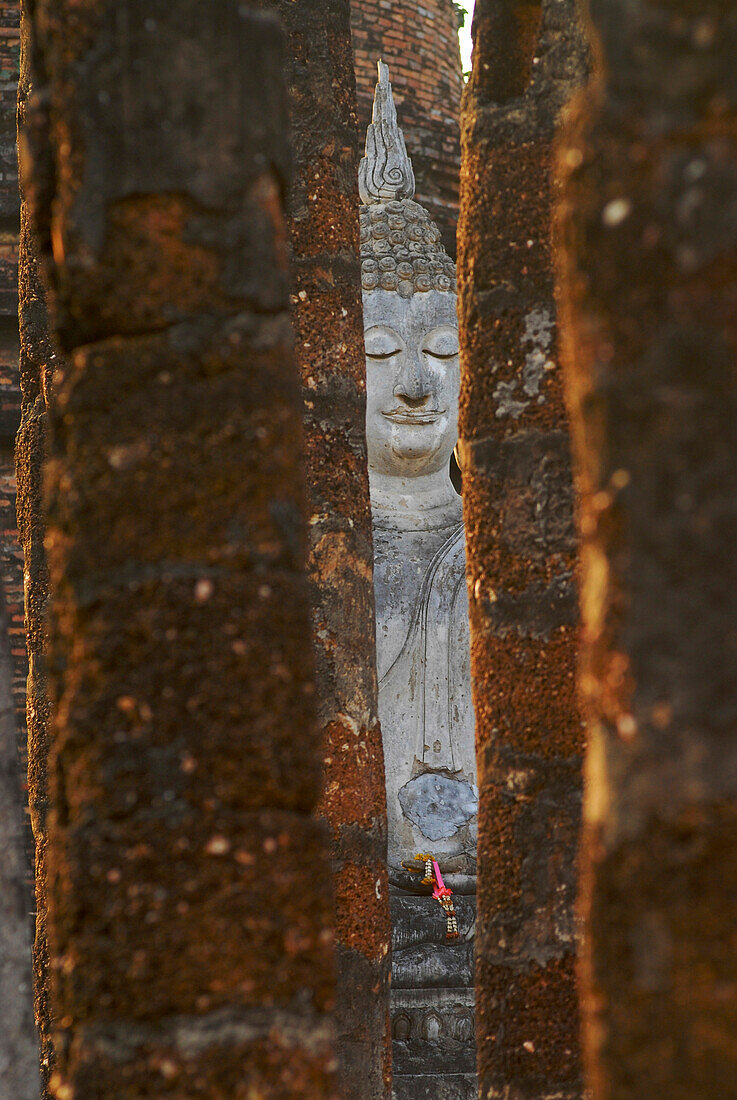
<point x="427" y="720"/>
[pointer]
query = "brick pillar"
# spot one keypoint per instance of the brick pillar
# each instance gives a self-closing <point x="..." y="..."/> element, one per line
<point x="649" y="294"/>
<point x="517" y="492"/>
<point x="37" y="364"/>
<point x="189" y="892"/>
<point x="328" y="322"/>
<point x="11" y="557"/>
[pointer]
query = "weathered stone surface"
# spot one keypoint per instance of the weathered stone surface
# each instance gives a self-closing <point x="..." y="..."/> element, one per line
<point x="648" y="269"/>
<point x="189" y="895"/>
<point x="438" y="805"/>
<point x="9" y="65"/>
<point x="433" y="1041"/>
<point x="455" y="1087"/>
<point x="121" y="214"/>
<point x="36" y="361"/>
<point x="517" y="493"/>
<point x="420" y="960"/>
<point x="323" y="229"/>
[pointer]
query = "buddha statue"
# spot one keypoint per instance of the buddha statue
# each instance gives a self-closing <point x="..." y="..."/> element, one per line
<point x="422" y="631"/>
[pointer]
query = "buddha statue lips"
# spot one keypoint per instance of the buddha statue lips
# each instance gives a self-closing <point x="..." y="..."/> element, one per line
<point x="405" y="416"/>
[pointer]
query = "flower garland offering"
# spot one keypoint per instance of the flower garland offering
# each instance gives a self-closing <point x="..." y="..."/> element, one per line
<point x="428" y="867"/>
<point x="442" y="894"/>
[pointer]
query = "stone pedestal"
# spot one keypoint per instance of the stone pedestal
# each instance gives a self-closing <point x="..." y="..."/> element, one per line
<point x="432" y="1001"/>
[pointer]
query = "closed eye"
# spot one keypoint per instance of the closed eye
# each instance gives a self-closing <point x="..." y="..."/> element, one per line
<point x="441" y="354"/>
<point x="382" y="354"/>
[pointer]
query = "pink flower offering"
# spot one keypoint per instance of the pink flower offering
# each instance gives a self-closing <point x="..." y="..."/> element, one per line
<point x="441" y="890"/>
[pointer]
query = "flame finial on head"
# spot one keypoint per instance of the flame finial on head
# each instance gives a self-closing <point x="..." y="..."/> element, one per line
<point x="401" y="247"/>
<point x="385" y="173"/>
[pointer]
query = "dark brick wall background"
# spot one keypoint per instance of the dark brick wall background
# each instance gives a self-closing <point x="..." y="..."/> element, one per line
<point x="419" y="43"/>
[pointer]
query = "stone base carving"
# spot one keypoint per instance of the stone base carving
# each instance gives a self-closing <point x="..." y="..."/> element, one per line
<point x="455" y="1086"/>
<point x="433" y="1048"/>
<point x="432" y="1002"/>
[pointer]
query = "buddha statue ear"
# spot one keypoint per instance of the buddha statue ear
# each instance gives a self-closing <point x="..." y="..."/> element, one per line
<point x="385" y="172"/>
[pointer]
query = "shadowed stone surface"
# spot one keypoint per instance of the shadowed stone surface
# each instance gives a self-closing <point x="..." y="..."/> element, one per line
<point x="518" y="505"/>
<point x="648" y="278"/>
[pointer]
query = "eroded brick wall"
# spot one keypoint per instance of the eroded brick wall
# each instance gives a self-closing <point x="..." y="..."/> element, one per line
<point x="648" y="291"/>
<point x="11" y="569"/>
<point x="327" y="316"/>
<point x="521" y="550"/>
<point x="419" y="43"/>
<point x="187" y="886"/>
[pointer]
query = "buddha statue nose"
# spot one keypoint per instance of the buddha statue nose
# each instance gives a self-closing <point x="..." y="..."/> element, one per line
<point x="414" y="384"/>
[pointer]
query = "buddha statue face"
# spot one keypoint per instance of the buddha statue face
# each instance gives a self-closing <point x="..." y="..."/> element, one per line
<point x="412" y="381"/>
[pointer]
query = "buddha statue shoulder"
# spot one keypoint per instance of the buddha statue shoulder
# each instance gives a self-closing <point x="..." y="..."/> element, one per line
<point x="422" y="631"/>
